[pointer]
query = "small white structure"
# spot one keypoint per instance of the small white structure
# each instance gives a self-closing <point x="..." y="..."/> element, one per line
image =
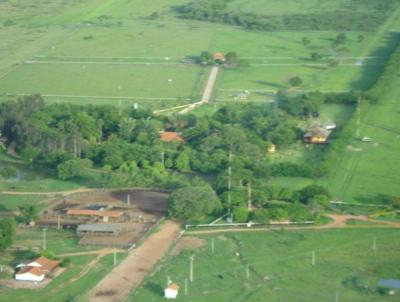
<point x="329" y="126"/>
<point x="171" y="291"/>
<point x="30" y="273"/>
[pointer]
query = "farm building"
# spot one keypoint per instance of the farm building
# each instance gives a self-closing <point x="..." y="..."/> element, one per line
<point x="171" y="291"/>
<point x="316" y="135"/>
<point x="105" y="215"/>
<point x="99" y="229"/>
<point x="36" y="270"/>
<point x="168" y="136"/>
<point x="219" y="57"/>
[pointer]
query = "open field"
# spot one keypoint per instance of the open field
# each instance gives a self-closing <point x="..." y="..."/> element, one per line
<point x="363" y="175"/>
<point x="280" y="267"/>
<point x="112" y="52"/>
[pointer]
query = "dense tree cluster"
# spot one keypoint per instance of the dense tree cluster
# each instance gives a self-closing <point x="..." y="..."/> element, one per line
<point x="7" y="231"/>
<point x="350" y="19"/>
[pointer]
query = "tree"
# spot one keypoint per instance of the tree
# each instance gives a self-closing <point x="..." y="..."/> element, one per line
<point x="182" y="162"/>
<point x="7" y="232"/>
<point x="8" y="172"/>
<point x="193" y="203"/>
<point x="312" y="191"/>
<point x="341" y="38"/>
<point x="73" y="167"/>
<point x="315" y="56"/>
<point x="295" y="81"/>
<point x="231" y="58"/>
<point x="240" y="214"/>
<point x="28" y="213"/>
<point x="29" y="154"/>
<point x="205" y="58"/>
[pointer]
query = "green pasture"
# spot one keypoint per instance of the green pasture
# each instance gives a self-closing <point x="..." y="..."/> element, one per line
<point x="12" y="202"/>
<point x="372" y="170"/>
<point x="280" y="267"/>
<point x="104" y="80"/>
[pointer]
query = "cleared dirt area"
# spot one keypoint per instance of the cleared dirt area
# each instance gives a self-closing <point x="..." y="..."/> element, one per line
<point x="130" y="273"/>
<point x="187" y="243"/>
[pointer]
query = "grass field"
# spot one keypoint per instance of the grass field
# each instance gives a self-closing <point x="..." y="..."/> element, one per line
<point x="280" y="267"/>
<point x="112" y="52"/>
<point x="362" y="175"/>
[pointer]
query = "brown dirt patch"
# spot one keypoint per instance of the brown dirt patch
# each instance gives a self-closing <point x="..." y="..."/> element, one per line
<point x="130" y="273"/>
<point x="187" y="243"/>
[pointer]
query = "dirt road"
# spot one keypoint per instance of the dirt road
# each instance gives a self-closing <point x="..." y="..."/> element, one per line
<point x="129" y="274"/>
<point x="210" y="84"/>
<point x="339" y="221"/>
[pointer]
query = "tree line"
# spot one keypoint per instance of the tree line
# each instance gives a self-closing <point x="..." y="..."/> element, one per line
<point x="350" y="18"/>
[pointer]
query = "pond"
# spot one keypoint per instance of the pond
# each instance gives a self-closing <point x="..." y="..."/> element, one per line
<point x="391" y="283"/>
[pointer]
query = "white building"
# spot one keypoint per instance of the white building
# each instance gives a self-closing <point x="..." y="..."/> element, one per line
<point x="171" y="292"/>
<point x="36" y="270"/>
<point x="30" y="273"/>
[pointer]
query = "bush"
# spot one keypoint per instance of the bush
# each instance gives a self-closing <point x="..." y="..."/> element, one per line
<point x="8" y="172"/>
<point x="65" y="262"/>
<point x="292" y="170"/>
<point x="240" y="214"/>
<point x="312" y="191"/>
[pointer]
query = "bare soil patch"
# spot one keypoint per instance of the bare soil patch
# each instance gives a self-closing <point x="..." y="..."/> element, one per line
<point x="188" y="243"/>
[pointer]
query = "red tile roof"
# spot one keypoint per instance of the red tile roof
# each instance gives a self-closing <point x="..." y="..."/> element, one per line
<point x="46" y="264"/>
<point x="173" y="286"/>
<point x="219" y="56"/>
<point x="83" y="212"/>
<point x="168" y="136"/>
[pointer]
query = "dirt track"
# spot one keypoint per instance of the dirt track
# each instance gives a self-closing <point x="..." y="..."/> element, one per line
<point x="129" y="274"/>
<point x="339" y="221"/>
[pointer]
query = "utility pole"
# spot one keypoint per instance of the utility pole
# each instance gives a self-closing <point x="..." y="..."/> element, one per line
<point x="337" y="297"/>
<point x="249" y="196"/>
<point x="128" y="199"/>
<point x="58" y="223"/>
<point x="248" y="272"/>
<point x="44" y="240"/>
<point x="163" y="158"/>
<point x="313" y="258"/>
<point x="186" y="287"/>
<point x="191" y="268"/>
<point x="358" y="115"/>
<point x="374" y="247"/>
<point x="230" y="182"/>
<point x="212" y="246"/>
<point x="115" y="257"/>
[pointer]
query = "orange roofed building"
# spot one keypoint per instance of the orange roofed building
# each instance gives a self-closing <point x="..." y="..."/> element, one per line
<point x="36" y="270"/>
<point x="169" y="136"/>
<point x="219" y="56"/>
<point x="171" y="291"/>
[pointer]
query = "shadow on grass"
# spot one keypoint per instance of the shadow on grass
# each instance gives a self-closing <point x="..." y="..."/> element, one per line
<point x="154" y="288"/>
<point x="370" y="72"/>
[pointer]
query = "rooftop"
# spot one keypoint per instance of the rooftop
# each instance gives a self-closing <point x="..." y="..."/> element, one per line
<point x="99" y="227"/>
<point x="169" y="136"/>
<point x="83" y="212"/>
